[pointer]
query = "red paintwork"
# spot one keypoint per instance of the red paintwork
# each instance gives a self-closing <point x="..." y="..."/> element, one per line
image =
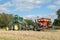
<point x="45" y="21"/>
<point x="44" y="24"/>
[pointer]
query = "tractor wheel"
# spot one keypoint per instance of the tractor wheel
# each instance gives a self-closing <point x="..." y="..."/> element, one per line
<point x="7" y="28"/>
<point x="15" y="26"/>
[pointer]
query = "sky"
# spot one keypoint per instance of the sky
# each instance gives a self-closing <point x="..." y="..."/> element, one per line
<point x="30" y="8"/>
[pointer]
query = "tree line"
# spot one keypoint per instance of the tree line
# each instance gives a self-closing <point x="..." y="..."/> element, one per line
<point x="5" y="19"/>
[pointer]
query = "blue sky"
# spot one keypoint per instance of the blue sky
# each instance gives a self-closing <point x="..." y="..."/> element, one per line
<point x="31" y="8"/>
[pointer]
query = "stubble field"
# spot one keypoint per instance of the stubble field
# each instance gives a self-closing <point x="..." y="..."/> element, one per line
<point x="30" y="35"/>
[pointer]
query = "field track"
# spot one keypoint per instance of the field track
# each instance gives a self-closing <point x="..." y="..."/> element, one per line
<point x="30" y="35"/>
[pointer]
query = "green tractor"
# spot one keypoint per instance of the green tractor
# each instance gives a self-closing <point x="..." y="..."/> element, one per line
<point x="17" y="24"/>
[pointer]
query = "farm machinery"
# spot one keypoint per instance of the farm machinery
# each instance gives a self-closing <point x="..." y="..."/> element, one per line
<point x="19" y="23"/>
<point x="42" y="23"/>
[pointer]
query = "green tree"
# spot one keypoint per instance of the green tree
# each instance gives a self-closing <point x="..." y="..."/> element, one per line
<point x="57" y="21"/>
<point x="30" y="22"/>
<point x="58" y="14"/>
<point x="5" y="19"/>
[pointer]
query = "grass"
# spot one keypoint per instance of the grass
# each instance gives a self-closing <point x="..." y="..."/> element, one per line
<point x="30" y="35"/>
<point x="4" y="38"/>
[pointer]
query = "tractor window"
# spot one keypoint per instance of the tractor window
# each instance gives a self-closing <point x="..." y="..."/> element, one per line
<point x="20" y="18"/>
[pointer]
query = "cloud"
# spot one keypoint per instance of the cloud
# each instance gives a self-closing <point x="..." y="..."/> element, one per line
<point x="30" y="17"/>
<point x="4" y="7"/>
<point x="53" y="7"/>
<point x="57" y="2"/>
<point x="7" y="4"/>
<point x="26" y="5"/>
<point x="51" y="16"/>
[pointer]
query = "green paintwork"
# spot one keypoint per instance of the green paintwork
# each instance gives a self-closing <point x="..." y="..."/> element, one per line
<point x="17" y="19"/>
